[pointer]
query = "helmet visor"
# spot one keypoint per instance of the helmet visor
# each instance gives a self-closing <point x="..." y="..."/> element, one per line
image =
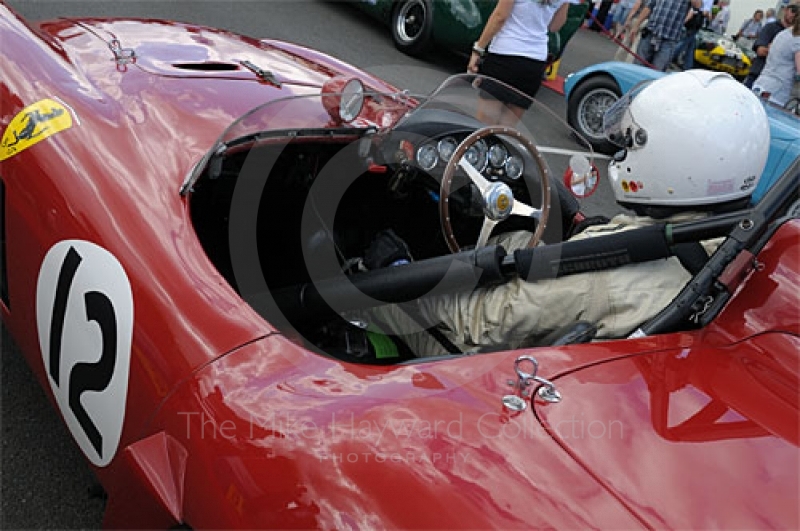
<point x="619" y="126"/>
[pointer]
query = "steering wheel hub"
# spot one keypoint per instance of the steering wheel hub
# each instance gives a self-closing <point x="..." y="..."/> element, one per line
<point x="498" y="201"/>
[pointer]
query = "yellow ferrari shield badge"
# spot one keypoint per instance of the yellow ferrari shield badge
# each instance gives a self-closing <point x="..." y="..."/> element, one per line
<point x="502" y="202"/>
<point x="32" y="125"/>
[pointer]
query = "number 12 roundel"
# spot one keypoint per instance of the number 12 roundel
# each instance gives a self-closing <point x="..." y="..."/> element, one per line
<point x="84" y="315"/>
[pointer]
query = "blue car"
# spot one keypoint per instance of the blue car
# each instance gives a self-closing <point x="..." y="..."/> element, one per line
<point x="592" y="90"/>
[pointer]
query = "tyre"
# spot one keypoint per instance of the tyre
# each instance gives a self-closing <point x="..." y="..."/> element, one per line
<point x="586" y="107"/>
<point x="412" y="26"/>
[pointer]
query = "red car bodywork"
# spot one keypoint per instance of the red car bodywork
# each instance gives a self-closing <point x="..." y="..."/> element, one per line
<point x="228" y="423"/>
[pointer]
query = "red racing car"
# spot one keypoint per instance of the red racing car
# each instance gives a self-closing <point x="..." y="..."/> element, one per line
<point x="185" y="214"/>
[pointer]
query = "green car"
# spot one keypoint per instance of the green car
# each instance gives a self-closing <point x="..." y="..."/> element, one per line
<point x="453" y="24"/>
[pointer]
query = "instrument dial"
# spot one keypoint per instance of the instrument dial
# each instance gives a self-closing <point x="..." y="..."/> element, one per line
<point x="497" y="155"/>
<point x="427" y="157"/>
<point x="447" y="146"/>
<point x="514" y="167"/>
<point x="478" y="155"/>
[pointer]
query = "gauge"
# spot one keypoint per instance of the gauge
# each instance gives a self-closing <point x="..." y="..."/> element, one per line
<point x="514" y="167"/>
<point x="447" y="146"/>
<point x="477" y="155"/>
<point x="498" y="155"/>
<point x="427" y="157"/>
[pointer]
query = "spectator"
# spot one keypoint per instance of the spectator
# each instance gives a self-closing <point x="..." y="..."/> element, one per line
<point x="603" y="11"/>
<point x="707" y="9"/>
<point x="517" y="55"/>
<point x="782" y="69"/>
<point x="765" y="38"/>
<point x="694" y="21"/>
<point x="621" y="11"/>
<point x="630" y="31"/>
<point x="747" y="34"/>
<point x="663" y="32"/>
<point x="720" y="22"/>
<point x="769" y="16"/>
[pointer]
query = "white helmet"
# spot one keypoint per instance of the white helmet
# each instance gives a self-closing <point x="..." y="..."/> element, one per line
<point x="696" y="139"/>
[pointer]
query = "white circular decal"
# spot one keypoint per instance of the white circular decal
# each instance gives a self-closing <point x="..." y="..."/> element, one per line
<point x="84" y="315"/>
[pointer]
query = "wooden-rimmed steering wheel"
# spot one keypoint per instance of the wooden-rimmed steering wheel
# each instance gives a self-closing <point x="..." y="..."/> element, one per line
<point x="498" y="200"/>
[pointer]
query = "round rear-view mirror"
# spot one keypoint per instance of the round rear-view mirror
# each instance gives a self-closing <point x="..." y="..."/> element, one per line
<point x="581" y="177"/>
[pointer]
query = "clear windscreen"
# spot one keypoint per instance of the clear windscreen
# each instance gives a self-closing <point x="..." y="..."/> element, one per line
<point x="475" y="99"/>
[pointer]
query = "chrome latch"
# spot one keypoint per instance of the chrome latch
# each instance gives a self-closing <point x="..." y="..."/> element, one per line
<point x="518" y="401"/>
<point x="122" y="56"/>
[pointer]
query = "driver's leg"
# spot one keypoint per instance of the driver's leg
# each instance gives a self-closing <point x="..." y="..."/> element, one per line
<point x="393" y="319"/>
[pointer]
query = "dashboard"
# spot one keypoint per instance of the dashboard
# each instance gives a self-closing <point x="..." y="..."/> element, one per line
<point x="493" y="157"/>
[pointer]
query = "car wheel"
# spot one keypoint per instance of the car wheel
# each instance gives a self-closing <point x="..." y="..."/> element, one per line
<point x="586" y="107"/>
<point x="412" y="26"/>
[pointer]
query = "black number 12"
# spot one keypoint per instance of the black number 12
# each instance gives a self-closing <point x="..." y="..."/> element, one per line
<point x="83" y="376"/>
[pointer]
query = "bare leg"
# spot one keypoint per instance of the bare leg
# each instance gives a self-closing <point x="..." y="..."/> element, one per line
<point x="489" y="111"/>
<point x="493" y="112"/>
<point x="511" y="115"/>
